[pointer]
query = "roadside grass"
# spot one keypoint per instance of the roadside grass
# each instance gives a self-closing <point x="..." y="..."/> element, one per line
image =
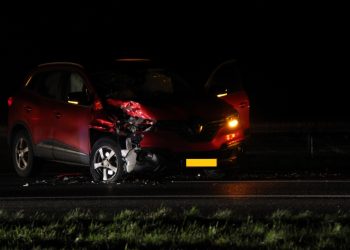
<point x="165" y="228"/>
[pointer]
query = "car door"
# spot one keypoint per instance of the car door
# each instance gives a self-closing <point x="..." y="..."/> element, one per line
<point x="72" y="119"/>
<point x="225" y="82"/>
<point x="42" y="92"/>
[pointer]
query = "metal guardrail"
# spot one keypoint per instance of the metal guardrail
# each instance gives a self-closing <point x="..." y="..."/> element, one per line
<point x="301" y="127"/>
<point x="311" y="131"/>
<point x="282" y="127"/>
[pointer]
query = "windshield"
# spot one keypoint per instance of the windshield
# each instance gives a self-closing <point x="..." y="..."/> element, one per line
<point x="138" y="84"/>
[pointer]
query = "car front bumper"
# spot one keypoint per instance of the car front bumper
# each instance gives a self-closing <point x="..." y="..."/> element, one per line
<point x="225" y="157"/>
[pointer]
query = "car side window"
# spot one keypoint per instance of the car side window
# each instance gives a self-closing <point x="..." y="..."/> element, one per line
<point x="76" y="91"/>
<point x="50" y="86"/>
<point x="226" y="79"/>
<point x="47" y="84"/>
<point x="34" y="82"/>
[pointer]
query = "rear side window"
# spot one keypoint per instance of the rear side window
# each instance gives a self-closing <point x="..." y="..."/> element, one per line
<point x="48" y="84"/>
<point x="33" y="82"/>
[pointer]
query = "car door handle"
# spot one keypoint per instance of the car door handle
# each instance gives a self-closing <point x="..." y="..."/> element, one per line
<point x="27" y="108"/>
<point x="58" y="115"/>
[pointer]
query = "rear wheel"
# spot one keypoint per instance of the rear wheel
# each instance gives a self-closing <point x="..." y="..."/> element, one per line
<point x="22" y="154"/>
<point x="106" y="163"/>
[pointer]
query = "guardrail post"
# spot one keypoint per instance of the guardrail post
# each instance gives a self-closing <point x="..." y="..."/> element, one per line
<point x="311" y="145"/>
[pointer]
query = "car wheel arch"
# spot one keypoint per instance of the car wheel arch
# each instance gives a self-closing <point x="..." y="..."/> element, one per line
<point x="18" y="126"/>
<point x="95" y="135"/>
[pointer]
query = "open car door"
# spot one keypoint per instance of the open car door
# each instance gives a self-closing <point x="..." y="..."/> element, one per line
<point x="225" y="82"/>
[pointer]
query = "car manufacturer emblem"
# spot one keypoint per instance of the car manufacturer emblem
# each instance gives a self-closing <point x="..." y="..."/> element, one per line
<point x="195" y="129"/>
<point x="198" y="128"/>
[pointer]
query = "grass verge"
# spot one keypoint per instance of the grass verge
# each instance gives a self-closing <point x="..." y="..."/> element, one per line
<point x="165" y="228"/>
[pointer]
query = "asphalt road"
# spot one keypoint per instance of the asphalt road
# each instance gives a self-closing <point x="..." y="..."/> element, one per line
<point x="244" y="196"/>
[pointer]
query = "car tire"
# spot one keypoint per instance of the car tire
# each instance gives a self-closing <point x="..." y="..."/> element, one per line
<point x="106" y="163"/>
<point x="22" y="153"/>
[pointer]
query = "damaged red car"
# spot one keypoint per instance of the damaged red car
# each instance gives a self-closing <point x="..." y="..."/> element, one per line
<point x="125" y="118"/>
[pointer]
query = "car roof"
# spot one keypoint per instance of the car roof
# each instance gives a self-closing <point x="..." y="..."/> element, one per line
<point x="98" y="65"/>
<point x="133" y="60"/>
<point x="60" y="64"/>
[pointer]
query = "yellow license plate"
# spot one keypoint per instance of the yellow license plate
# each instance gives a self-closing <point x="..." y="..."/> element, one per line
<point x="201" y="163"/>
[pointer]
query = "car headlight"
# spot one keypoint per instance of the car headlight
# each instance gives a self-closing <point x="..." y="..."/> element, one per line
<point x="232" y="122"/>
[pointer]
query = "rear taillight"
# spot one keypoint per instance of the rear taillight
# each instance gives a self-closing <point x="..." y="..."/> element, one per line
<point x="10" y="101"/>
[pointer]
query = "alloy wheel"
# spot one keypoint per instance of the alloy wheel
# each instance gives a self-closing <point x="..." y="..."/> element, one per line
<point x="105" y="163"/>
<point x="22" y="153"/>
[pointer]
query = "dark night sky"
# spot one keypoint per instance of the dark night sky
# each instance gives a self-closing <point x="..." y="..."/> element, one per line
<point x="292" y="56"/>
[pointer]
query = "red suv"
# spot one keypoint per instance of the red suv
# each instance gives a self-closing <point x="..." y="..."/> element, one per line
<point x="126" y="117"/>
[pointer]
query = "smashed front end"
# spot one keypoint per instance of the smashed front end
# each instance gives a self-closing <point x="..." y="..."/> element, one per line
<point x="155" y="115"/>
<point x="128" y="120"/>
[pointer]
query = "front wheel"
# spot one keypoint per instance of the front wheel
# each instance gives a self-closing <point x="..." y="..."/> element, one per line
<point x="106" y="163"/>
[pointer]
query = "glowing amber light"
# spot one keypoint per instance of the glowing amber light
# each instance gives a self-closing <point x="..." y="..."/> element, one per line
<point x="73" y="102"/>
<point x="232" y="123"/>
<point x="230" y="137"/>
<point x="221" y="95"/>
